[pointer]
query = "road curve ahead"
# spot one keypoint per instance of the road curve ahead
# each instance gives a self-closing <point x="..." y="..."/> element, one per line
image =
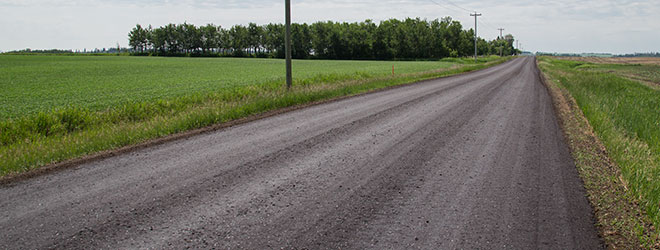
<point x="470" y="161"/>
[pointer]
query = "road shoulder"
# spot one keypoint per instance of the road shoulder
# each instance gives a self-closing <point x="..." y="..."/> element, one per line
<point x="620" y="220"/>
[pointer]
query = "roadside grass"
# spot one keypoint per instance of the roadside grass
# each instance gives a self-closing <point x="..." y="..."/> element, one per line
<point x="625" y="116"/>
<point x="136" y="107"/>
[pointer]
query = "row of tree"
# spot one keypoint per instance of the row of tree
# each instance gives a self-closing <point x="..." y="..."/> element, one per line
<point x="390" y="39"/>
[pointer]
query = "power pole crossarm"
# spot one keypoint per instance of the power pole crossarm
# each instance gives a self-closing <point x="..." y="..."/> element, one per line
<point x="475" y="15"/>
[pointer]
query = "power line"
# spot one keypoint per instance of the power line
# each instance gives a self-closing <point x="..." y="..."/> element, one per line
<point x="458" y="9"/>
<point x="445" y="6"/>
<point x="483" y="22"/>
<point x="449" y="2"/>
<point x="490" y="27"/>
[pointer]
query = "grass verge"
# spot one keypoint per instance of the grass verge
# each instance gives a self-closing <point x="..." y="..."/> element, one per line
<point x="46" y="138"/>
<point x="611" y="127"/>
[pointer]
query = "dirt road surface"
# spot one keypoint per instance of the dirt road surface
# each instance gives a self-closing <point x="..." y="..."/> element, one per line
<point x="470" y="161"/>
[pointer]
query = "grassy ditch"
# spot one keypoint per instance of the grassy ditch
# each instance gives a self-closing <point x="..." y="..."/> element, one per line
<point x="44" y="136"/>
<point x="623" y="115"/>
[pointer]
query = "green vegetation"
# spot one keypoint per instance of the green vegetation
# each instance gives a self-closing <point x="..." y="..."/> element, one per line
<point x="625" y="116"/>
<point x="33" y="84"/>
<point x="55" y="108"/>
<point x="387" y="40"/>
<point x="644" y="72"/>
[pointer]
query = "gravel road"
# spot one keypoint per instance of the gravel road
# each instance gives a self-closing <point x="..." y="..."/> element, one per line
<point x="466" y="162"/>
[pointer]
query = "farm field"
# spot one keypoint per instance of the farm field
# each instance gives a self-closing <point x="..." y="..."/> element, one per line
<point x="55" y="108"/>
<point x="33" y="84"/>
<point x="620" y="102"/>
<point x="617" y="60"/>
<point x="646" y="70"/>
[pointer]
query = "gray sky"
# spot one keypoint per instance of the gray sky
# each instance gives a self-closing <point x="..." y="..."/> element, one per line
<point x="622" y="26"/>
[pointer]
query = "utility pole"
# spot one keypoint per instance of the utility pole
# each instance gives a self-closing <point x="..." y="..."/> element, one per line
<point x="475" y="15"/>
<point x="287" y="44"/>
<point x="501" y="29"/>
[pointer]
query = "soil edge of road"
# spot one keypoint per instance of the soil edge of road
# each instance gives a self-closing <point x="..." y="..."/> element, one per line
<point x="621" y="223"/>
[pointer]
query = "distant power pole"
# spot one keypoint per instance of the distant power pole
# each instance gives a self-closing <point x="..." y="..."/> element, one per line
<point x="287" y="43"/>
<point x="501" y="29"/>
<point x="475" y="15"/>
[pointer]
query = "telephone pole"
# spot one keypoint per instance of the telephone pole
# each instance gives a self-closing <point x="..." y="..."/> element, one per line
<point x="475" y="15"/>
<point x="500" y="37"/>
<point x="287" y="43"/>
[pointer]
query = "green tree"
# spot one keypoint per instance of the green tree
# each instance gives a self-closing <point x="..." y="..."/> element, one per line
<point x="274" y="39"/>
<point x="255" y="34"/>
<point x="301" y="45"/>
<point x="239" y="38"/>
<point x="320" y="32"/>
<point x="138" y="38"/>
<point x="390" y="39"/>
<point x="210" y="37"/>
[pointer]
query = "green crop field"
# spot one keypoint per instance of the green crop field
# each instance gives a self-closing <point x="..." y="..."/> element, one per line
<point x="648" y="73"/>
<point x="55" y="108"/>
<point x="625" y="115"/>
<point x="33" y="84"/>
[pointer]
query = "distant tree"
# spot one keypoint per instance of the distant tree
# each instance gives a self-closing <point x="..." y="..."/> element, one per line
<point x="210" y="37"/>
<point x="301" y="44"/>
<point x="239" y="37"/>
<point x="385" y="41"/>
<point x="158" y="40"/>
<point x="138" y="38"/>
<point x="172" y="39"/>
<point x="189" y="37"/>
<point x="224" y="41"/>
<point x="274" y="39"/>
<point x="466" y="43"/>
<point x="254" y="39"/>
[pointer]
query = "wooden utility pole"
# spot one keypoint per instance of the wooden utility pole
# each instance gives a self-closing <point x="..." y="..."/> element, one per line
<point x="287" y="44"/>
<point x="475" y="15"/>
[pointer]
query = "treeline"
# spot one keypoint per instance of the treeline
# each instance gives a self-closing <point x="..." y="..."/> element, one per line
<point x="40" y="51"/>
<point x="390" y="39"/>
<point x="648" y="54"/>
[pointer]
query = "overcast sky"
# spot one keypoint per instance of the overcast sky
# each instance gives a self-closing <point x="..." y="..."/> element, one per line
<point x="621" y="26"/>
